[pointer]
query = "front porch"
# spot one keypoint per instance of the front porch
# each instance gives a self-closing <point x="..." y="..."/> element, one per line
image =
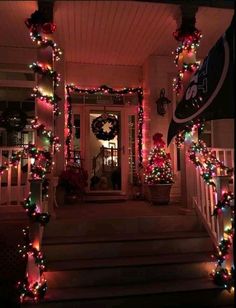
<point x="94" y="113"/>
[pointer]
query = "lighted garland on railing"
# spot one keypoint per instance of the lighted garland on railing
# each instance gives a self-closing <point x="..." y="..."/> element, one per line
<point x="32" y="152"/>
<point x="27" y="247"/>
<point x="190" y="128"/>
<point x="105" y="90"/>
<point x="38" y="289"/>
<point x="222" y="276"/>
<point x="208" y="163"/>
<point x="190" y="40"/>
<point x="225" y="202"/>
<point x="51" y="139"/>
<point x="33" y="212"/>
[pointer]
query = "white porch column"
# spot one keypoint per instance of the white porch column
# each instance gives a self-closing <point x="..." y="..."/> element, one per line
<point x="60" y="120"/>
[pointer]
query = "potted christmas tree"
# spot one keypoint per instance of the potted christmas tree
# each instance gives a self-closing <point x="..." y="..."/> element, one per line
<point x="158" y="173"/>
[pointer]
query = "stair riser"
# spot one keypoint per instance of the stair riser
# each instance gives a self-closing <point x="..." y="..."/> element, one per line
<point x="193" y="299"/>
<point x="126" y="275"/>
<point x="119" y="249"/>
<point x="123" y="226"/>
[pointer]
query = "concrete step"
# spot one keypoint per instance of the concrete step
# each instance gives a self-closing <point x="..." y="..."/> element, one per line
<point x="194" y="293"/>
<point x="111" y="248"/>
<point x="122" y="271"/>
<point x="105" y="196"/>
<point x="12" y="212"/>
<point x="122" y="225"/>
<point x="127" y="261"/>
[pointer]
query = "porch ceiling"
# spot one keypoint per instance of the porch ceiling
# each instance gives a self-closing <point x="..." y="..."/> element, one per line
<point x="111" y="32"/>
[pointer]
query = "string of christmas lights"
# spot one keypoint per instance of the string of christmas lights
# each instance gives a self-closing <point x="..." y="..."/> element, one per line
<point x="42" y="158"/>
<point x="222" y="276"/>
<point x="103" y="90"/>
<point x="39" y="156"/>
<point x="45" y="42"/>
<point x="190" y="129"/>
<point x="51" y="139"/>
<point x="225" y="202"/>
<point x="52" y="100"/>
<point x="38" y="289"/>
<point x="159" y="169"/>
<point x="45" y="70"/>
<point x="190" y="41"/>
<point x="34" y="212"/>
<point x="206" y="161"/>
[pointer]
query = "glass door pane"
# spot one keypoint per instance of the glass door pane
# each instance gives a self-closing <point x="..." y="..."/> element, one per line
<point x="105" y="155"/>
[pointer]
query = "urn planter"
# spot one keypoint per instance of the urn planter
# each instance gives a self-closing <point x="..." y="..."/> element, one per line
<point x="159" y="193"/>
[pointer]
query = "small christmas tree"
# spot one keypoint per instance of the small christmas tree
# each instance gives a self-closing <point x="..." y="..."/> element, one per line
<point x="158" y="170"/>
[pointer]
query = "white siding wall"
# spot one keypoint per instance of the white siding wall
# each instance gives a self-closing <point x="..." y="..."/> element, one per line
<point x="93" y="75"/>
<point x="223" y="133"/>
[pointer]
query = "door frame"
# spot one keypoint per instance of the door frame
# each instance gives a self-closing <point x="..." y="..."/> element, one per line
<point x="84" y="112"/>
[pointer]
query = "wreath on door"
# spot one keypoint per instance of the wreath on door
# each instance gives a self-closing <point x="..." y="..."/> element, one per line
<point x="13" y="120"/>
<point x="105" y="127"/>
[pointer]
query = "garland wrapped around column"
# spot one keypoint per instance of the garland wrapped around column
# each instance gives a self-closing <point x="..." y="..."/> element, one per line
<point x="224" y="275"/>
<point x="185" y="60"/>
<point x="34" y="285"/>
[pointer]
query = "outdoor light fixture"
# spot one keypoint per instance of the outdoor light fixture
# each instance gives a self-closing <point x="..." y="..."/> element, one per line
<point x="162" y="102"/>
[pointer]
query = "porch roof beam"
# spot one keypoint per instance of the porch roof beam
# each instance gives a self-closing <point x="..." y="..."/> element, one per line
<point x="46" y="8"/>
<point x="226" y="4"/>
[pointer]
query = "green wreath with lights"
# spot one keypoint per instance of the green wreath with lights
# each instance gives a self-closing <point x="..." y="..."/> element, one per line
<point x="98" y="127"/>
<point x="13" y="120"/>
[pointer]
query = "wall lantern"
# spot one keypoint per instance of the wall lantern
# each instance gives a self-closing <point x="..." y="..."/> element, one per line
<point x="162" y="102"/>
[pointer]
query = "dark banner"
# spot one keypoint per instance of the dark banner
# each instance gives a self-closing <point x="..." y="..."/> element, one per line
<point x="210" y="94"/>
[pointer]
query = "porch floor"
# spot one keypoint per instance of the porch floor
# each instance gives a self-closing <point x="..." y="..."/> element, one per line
<point x="130" y="208"/>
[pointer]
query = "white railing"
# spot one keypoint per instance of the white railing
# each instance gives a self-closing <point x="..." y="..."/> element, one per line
<point x="206" y="198"/>
<point x="14" y="182"/>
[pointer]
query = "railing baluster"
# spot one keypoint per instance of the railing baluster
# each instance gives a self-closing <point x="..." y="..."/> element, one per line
<point x="19" y="199"/>
<point x="207" y="205"/>
<point x="9" y="176"/>
<point x="206" y="197"/>
<point x="1" y="190"/>
<point x="212" y="205"/>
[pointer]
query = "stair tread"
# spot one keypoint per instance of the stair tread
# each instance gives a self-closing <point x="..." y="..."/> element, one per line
<point x="123" y="237"/>
<point x="164" y="259"/>
<point x="63" y="294"/>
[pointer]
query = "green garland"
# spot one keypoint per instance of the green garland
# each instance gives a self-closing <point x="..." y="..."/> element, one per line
<point x="13" y="120"/>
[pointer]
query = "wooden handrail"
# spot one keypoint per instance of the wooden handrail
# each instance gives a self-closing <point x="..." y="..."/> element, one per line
<point x="205" y="199"/>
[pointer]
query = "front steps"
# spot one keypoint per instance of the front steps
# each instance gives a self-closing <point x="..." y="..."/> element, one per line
<point x="143" y="261"/>
<point x="104" y="196"/>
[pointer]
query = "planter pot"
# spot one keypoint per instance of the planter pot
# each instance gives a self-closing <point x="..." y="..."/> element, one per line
<point x="159" y="193"/>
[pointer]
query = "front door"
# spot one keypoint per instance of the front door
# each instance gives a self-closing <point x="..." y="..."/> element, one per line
<point x="109" y="155"/>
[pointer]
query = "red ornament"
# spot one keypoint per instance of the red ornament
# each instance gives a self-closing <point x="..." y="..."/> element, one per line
<point x="48" y="28"/>
<point x="157" y="140"/>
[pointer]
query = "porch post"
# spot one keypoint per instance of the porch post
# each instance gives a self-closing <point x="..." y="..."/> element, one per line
<point x="225" y="223"/>
<point x="60" y="120"/>
<point x="186" y="19"/>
